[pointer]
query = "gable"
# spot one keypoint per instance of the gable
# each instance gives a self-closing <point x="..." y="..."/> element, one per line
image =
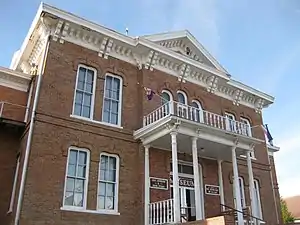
<point x="182" y="42"/>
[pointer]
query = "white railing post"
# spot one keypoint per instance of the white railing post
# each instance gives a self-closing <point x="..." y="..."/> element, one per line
<point x="175" y="178"/>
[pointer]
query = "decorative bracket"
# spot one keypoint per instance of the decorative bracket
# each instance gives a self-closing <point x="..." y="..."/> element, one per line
<point x="212" y="84"/>
<point x="151" y="60"/>
<point x="64" y="33"/>
<point x="105" y="47"/>
<point x="138" y="60"/>
<point x="259" y="105"/>
<point x="57" y="31"/>
<point x="238" y="94"/>
<point x="184" y="72"/>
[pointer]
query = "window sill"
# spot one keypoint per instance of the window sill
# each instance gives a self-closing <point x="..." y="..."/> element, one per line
<point x="107" y="212"/>
<point x="95" y="121"/>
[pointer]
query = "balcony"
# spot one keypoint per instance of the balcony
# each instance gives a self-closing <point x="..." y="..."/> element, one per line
<point x="215" y="132"/>
<point x="12" y="113"/>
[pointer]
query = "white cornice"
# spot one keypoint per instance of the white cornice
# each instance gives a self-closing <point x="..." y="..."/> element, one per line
<point x="141" y="52"/>
<point x="14" y="79"/>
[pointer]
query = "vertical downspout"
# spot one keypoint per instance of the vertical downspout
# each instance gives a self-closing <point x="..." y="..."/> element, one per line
<point x="30" y="132"/>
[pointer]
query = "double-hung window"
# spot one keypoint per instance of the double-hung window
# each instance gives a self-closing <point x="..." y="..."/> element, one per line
<point x="108" y="183"/>
<point x="112" y="100"/>
<point x="84" y="93"/>
<point x="76" y="180"/>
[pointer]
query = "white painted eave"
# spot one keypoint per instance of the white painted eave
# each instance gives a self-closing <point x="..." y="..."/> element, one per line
<point x="273" y="148"/>
<point x="15" y="73"/>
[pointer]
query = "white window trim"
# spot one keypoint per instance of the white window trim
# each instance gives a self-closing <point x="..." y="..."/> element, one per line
<point x="95" y="121"/>
<point x="13" y="193"/>
<point x="168" y="93"/>
<point x="120" y="99"/>
<point x="258" y="201"/>
<point x="77" y="208"/>
<point x="248" y="123"/>
<point x="242" y="187"/>
<point x="94" y="91"/>
<point x="88" y="211"/>
<point x="184" y="95"/>
<point x="201" y="117"/>
<point x="115" y="210"/>
<point x="198" y="103"/>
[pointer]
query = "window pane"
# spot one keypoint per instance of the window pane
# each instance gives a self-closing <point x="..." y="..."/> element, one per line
<point x="90" y="76"/>
<point x="106" y="105"/>
<point x="181" y="98"/>
<point x="104" y="162"/>
<point x="81" y="75"/>
<point x="73" y="157"/>
<point x="106" y="116"/>
<point x="115" y="95"/>
<point x="114" y="107"/>
<point x="70" y="184"/>
<point x="110" y="190"/>
<point x="102" y="174"/>
<point x="80" y="85"/>
<point x="81" y="171"/>
<point x="114" y="118"/>
<point x="82" y="158"/>
<point x="112" y="163"/>
<point x="79" y="187"/>
<point x="87" y="100"/>
<point x="116" y="84"/>
<point x="69" y="198"/>
<point x="78" y="199"/>
<point x="79" y="97"/>
<point x="109" y="203"/>
<point x="187" y="169"/>
<point x="108" y="83"/>
<point x="111" y="175"/>
<point x="86" y="111"/>
<point x="72" y="170"/>
<point x="77" y="109"/>
<point x="194" y="104"/>
<point x="165" y="98"/>
<point x="89" y="88"/>
<point x="102" y="188"/>
<point x="101" y="202"/>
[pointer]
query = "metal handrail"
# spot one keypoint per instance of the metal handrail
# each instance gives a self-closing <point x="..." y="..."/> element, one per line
<point x="238" y="211"/>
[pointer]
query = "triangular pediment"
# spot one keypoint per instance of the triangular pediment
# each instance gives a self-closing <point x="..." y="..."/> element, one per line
<point x="183" y="42"/>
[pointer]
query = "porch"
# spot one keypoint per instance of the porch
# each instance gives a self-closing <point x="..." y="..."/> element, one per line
<point x="184" y="129"/>
<point x="11" y="113"/>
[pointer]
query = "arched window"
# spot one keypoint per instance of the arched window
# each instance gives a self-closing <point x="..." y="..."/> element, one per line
<point x="230" y="122"/>
<point x="182" y="109"/>
<point x="246" y="127"/>
<point x="196" y="111"/>
<point x="166" y="97"/>
<point x="182" y="98"/>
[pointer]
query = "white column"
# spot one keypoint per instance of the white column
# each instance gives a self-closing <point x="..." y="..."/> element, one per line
<point x="175" y="178"/>
<point x="220" y="175"/>
<point x="147" y="186"/>
<point x="236" y="187"/>
<point x="251" y="186"/>
<point x="196" y="179"/>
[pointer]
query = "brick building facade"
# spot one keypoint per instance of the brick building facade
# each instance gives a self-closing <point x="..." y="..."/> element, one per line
<point x="82" y="144"/>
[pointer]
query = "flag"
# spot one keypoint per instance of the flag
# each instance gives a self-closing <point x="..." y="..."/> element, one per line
<point x="150" y="93"/>
<point x="268" y="134"/>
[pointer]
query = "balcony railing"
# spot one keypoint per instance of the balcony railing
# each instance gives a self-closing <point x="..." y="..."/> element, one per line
<point x="193" y="114"/>
<point x="161" y="212"/>
<point x="11" y="111"/>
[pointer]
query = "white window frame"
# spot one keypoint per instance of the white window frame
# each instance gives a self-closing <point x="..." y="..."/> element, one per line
<point x="167" y="108"/>
<point x="120" y="100"/>
<point x="184" y="95"/>
<point x="168" y="93"/>
<point x="93" y="95"/>
<point x="257" y="199"/>
<point x="246" y="121"/>
<point x="115" y="210"/>
<point x="13" y="193"/>
<point x="242" y="191"/>
<point x="200" y="111"/>
<point x="230" y="118"/>
<point x="83" y="207"/>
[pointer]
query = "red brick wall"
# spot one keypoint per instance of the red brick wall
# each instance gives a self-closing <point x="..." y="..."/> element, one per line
<point x="9" y="139"/>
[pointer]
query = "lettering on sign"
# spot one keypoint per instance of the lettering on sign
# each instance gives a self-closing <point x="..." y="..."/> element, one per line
<point x="212" y="189"/>
<point x="184" y="181"/>
<point x="159" y="183"/>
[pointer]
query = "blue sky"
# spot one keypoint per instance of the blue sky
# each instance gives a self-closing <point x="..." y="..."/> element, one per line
<point x="258" y="42"/>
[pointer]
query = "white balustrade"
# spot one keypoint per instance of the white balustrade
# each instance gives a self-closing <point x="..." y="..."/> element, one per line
<point x="199" y="116"/>
<point x="161" y="212"/>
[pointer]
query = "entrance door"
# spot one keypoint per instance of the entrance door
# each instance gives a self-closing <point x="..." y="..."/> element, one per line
<point x="187" y="204"/>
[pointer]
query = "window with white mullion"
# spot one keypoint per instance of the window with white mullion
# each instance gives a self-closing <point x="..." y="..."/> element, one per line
<point x="108" y="182"/>
<point x="112" y="100"/>
<point x="84" y="92"/>
<point x="76" y="178"/>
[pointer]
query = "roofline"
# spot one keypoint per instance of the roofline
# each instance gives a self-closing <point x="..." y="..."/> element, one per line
<point x="15" y="73"/>
<point x="45" y="8"/>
